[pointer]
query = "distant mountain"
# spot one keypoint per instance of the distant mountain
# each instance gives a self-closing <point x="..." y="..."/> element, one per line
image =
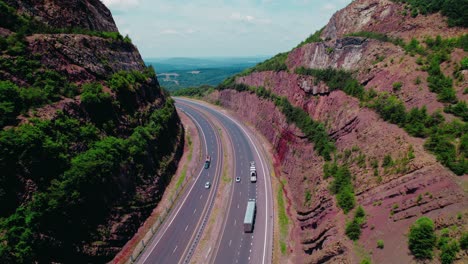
<point x="177" y="73"/>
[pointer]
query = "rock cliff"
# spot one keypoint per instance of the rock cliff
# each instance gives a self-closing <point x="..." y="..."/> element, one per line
<point x="395" y="177"/>
<point x="91" y="14"/>
<point x="82" y="117"/>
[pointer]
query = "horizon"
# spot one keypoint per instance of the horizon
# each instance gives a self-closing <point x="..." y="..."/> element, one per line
<point x="220" y="28"/>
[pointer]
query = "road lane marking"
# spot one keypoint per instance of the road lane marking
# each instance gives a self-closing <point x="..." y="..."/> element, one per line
<point x="235" y="222"/>
<point x="186" y="197"/>
<point x="262" y="162"/>
<point x="186" y="228"/>
<point x="201" y="196"/>
<point x="174" y="250"/>
<point x="230" y="241"/>
<point x="194" y="210"/>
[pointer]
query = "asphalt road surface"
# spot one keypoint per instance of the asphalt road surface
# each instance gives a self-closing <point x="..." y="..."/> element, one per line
<point x="235" y="246"/>
<point x="175" y="241"/>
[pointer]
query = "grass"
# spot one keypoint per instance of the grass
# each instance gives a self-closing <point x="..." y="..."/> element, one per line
<point x="283" y="218"/>
<point x="183" y="174"/>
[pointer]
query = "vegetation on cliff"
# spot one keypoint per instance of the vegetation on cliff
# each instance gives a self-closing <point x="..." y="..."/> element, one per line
<point x="91" y="153"/>
<point x="453" y="9"/>
<point x="445" y="140"/>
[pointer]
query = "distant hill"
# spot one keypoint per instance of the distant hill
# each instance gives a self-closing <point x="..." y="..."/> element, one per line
<point x="177" y="73"/>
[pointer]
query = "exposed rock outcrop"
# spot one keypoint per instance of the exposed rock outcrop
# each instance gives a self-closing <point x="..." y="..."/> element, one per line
<point x="415" y="184"/>
<point x="80" y="14"/>
<point x="73" y="60"/>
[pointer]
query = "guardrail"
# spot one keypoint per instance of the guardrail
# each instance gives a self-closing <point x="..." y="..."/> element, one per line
<point x="145" y="241"/>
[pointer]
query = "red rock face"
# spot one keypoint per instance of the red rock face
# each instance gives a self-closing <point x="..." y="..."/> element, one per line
<point x="387" y="17"/>
<point x="393" y="197"/>
<point x="85" y="14"/>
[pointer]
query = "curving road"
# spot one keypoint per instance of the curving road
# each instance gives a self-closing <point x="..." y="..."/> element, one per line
<point x="176" y="240"/>
<point x="235" y="246"/>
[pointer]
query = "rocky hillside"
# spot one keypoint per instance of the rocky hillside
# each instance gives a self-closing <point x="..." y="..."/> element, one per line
<point x="368" y="122"/>
<point x="81" y="123"/>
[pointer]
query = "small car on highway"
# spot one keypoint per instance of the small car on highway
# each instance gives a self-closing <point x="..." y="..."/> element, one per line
<point x="207" y="185"/>
<point x="207" y="162"/>
<point x="237" y="179"/>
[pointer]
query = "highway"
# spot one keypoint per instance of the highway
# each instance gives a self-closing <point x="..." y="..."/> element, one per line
<point x="176" y="241"/>
<point x="234" y="245"/>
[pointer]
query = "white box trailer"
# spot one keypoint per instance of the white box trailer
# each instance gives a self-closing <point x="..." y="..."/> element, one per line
<point x="249" y="218"/>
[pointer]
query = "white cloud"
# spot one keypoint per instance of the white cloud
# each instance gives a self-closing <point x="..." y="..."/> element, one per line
<point x="249" y="18"/>
<point x="121" y="4"/>
<point x="170" y="31"/>
<point x="329" y="7"/>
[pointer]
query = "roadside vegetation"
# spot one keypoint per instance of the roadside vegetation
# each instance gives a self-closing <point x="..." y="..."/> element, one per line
<point x="454" y="10"/>
<point x="75" y="169"/>
<point x="196" y="92"/>
<point x="283" y="219"/>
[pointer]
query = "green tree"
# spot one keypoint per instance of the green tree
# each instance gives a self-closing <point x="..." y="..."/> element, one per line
<point x="422" y="238"/>
<point x="10" y="102"/>
<point x="353" y="230"/>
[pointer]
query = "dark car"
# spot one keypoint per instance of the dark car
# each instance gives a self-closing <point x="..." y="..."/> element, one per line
<point x="207" y="162"/>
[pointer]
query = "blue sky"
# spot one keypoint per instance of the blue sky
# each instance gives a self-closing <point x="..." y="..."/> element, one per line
<point x="213" y="28"/>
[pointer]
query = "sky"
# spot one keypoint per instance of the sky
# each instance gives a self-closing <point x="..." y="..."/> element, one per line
<point x="219" y="28"/>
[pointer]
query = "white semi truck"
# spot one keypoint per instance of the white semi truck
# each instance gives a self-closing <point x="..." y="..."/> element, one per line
<point x="249" y="218"/>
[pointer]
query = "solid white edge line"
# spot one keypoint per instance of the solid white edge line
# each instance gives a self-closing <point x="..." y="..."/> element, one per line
<point x="263" y="170"/>
<point x="188" y="194"/>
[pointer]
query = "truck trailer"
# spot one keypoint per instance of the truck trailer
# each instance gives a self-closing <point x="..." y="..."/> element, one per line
<point x="249" y="218"/>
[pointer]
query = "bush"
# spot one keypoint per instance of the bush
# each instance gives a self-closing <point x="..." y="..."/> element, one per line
<point x="387" y="161"/>
<point x="10" y="102"/>
<point x="449" y="251"/>
<point x="353" y="230"/>
<point x="312" y="38"/>
<point x="380" y="244"/>
<point x="397" y="86"/>
<point x="422" y="238"/>
<point x="453" y="9"/>
<point x="277" y="63"/>
<point x="92" y="93"/>
<point x="460" y="109"/>
<point x="464" y="241"/>
<point x="335" y="80"/>
<point x="390" y="108"/>
<point x="194" y="91"/>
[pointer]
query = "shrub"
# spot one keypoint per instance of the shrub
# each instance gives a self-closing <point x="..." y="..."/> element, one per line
<point x="10" y="102"/>
<point x="312" y="38"/>
<point x="460" y="109"/>
<point x="387" y="161"/>
<point x="92" y="94"/>
<point x="449" y="251"/>
<point x="397" y="86"/>
<point x="380" y="244"/>
<point x="422" y="239"/>
<point x="353" y="230"/>
<point x="277" y="63"/>
<point x="464" y="241"/>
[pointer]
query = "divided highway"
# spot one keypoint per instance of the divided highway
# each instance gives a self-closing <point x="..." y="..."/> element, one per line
<point x="176" y="240"/>
<point x="235" y="246"/>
